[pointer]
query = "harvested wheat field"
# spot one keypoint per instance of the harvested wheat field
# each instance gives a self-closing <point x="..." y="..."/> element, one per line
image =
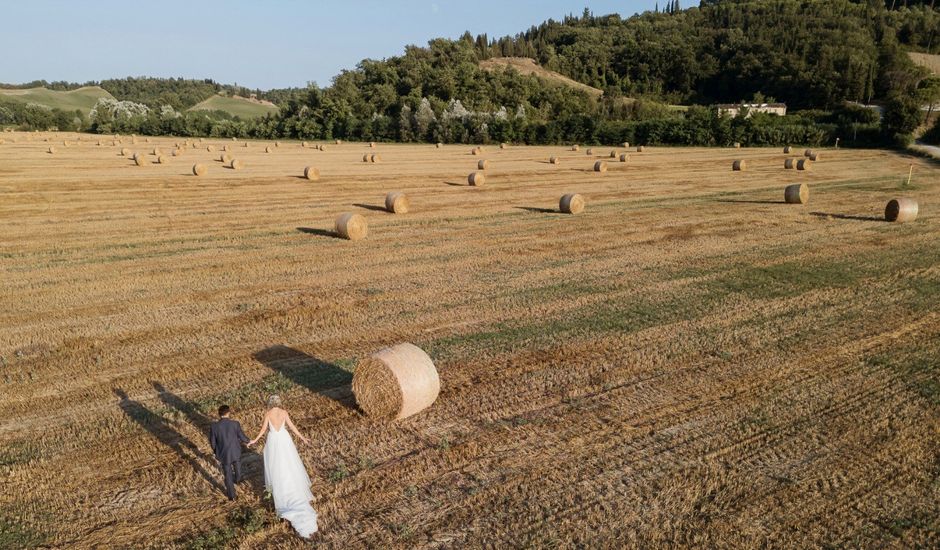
<point x="689" y="361"/>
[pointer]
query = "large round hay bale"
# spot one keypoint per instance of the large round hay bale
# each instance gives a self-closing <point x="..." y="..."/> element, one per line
<point x="245" y="145"/>
<point x="798" y="193"/>
<point x="503" y="146"/>
<point x="365" y="157"/>
<point x="589" y="152"/>
<point x="575" y="147"/>
<point x="483" y="164"/>
<point x="640" y="149"/>
<point x="397" y="202"/>
<point x="351" y="226"/>
<point x="210" y="148"/>
<point x="277" y="143"/>
<point x="624" y="157"/>
<point x="789" y="164"/>
<point x="396" y="382"/>
<point x="322" y="147"/>
<point x="737" y="145"/>
<point x="199" y="169"/>
<point x="600" y="166"/>
<point x="571" y="203"/>
<point x="312" y="173"/>
<point x="804" y="164"/>
<point x="439" y="145"/>
<point x="554" y="160"/>
<point x="338" y="142"/>
<point x="224" y="158"/>
<point x="787" y="149"/>
<point x="475" y="151"/>
<point x="808" y="153"/>
<point x="476" y="179"/>
<point x="901" y="210"/>
<point x="236" y="164"/>
<point x="613" y="154"/>
<point x="193" y="144"/>
<point x="372" y="144"/>
<point x="136" y="156"/>
<point x="161" y="159"/>
<point x="147" y="140"/>
<point x="303" y="144"/>
<point x="739" y="165"/>
<point x="225" y="147"/>
<point x="141" y="160"/>
<point x="625" y="145"/>
<point x="375" y="158"/>
<point x="267" y="149"/>
<point x="815" y="156"/>
<point x="51" y="150"/>
<point x="234" y="138"/>
<point x="65" y="143"/>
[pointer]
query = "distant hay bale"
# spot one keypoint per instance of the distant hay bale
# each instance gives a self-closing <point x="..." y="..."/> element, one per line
<point x="65" y="143"/>
<point x="589" y="152"/>
<point x="787" y="149"/>
<point x="798" y="193"/>
<point x="136" y="156"/>
<point x="225" y="147"/>
<point x="483" y="164"/>
<point x="808" y="153"/>
<point x="141" y="160"/>
<point x="739" y="165"/>
<point x="224" y="158"/>
<point x="804" y="164"/>
<point x="277" y="143"/>
<point x="640" y="148"/>
<point x="245" y="145"/>
<point x="554" y="160"/>
<point x="375" y="158"/>
<point x="600" y="166"/>
<point x="476" y="179"/>
<point x="625" y="145"/>
<point x="193" y="144"/>
<point x="303" y="144"/>
<point x="147" y="140"/>
<point x="365" y="157"/>
<point x="372" y="144"/>
<point x="99" y="143"/>
<point x="210" y="148"/>
<point x="234" y="138"/>
<point x="737" y="145"/>
<point x="322" y="147"/>
<point x="199" y="169"/>
<point x="503" y="146"/>
<point x="396" y="382"/>
<point x="267" y="149"/>
<point x="177" y="152"/>
<point x="397" y="202"/>
<point x="624" y="157"/>
<point x="789" y="164"/>
<point x="338" y="142"/>
<point x="475" y="151"/>
<point x="613" y="154"/>
<point x="815" y="156"/>
<point x="439" y="145"/>
<point x="236" y="164"/>
<point x="571" y="203"/>
<point x="901" y="210"/>
<point x="312" y="173"/>
<point x="351" y="226"/>
<point x="575" y="147"/>
<point x="51" y="150"/>
<point x="161" y="159"/>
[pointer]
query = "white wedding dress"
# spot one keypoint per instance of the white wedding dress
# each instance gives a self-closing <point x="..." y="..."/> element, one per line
<point x="287" y="480"/>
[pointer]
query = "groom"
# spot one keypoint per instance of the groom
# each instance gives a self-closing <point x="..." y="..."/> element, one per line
<point x="226" y="437"/>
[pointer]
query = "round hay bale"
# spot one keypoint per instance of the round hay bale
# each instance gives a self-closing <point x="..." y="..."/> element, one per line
<point x="613" y="154"/>
<point x="375" y="158"/>
<point x="476" y="179"/>
<point x="277" y="143"/>
<point x="798" y="193"/>
<point x="787" y="149"/>
<point x="739" y="165"/>
<point x="901" y="210"/>
<point x="365" y="157"/>
<point x="177" y="152"/>
<point x="303" y="144"/>
<point x="503" y="146"/>
<point x="351" y="226"/>
<point x="147" y="140"/>
<point x="571" y="203"/>
<point x="224" y="158"/>
<point x="245" y="145"/>
<point x="193" y="145"/>
<point x="199" y="169"/>
<point x="483" y="164"/>
<point x="475" y="151"/>
<point x="136" y="156"/>
<point x="575" y="147"/>
<point x="140" y="160"/>
<point x="323" y="147"/>
<point x="439" y="145"/>
<point x="600" y="166"/>
<point x="589" y="152"/>
<point x="625" y="145"/>
<point x="338" y="142"/>
<point x="234" y="138"/>
<point x="312" y="173"/>
<point x="125" y="151"/>
<point x="225" y="147"/>
<point x="397" y="202"/>
<point x="624" y="157"/>
<point x="372" y="144"/>
<point x="396" y="382"/>
<point x="804" y="164"/>
<point x="815" y="156"/>
<point x="789" y="164"/>
<point x="65" y="143"/>
<point x="640" y="149"/>
<point x="210" y="148"/>
<point x="737" y="145"/>
<point x="267" y="149"/>
<point x="236" y="164"/>
<point x="808" y="153"/>
<point x="554" y="160"/>
<point x="51" y="150"/>
<point x="161" y="159"/>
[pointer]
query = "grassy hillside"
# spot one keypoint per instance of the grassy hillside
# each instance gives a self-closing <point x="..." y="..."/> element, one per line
<point x="236" y="106"/>
<point x="82" y="98"/>
<point x="930" y="61"/>
<point x="528" y="66"/>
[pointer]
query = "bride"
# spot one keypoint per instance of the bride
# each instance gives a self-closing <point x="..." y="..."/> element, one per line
<point x="284" y="473"/>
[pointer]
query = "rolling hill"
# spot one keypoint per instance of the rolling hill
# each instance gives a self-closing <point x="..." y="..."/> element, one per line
<point x="81" y="98"/>
<point x="528" y="66"/>
<point x="236" y="106"/>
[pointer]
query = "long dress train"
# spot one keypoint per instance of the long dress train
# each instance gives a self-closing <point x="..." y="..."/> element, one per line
<point x="287" y="480"/>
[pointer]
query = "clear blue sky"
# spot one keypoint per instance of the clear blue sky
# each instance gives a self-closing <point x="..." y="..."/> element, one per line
<point x="259" y="44"/>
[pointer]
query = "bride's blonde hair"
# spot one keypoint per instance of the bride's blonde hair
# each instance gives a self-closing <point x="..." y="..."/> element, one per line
<point x="274" y="401"/>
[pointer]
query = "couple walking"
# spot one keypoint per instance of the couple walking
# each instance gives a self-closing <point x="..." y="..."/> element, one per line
<point x="284" y="474"/>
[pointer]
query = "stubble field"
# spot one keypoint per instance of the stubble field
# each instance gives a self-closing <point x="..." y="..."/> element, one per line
<point x="688" y="362"/>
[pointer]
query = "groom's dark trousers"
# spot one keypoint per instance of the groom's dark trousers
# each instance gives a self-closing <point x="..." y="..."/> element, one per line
<point x="226" y="437"/>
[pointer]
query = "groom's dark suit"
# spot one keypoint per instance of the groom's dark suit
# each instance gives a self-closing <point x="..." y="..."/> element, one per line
<point x="226" y="437"/>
